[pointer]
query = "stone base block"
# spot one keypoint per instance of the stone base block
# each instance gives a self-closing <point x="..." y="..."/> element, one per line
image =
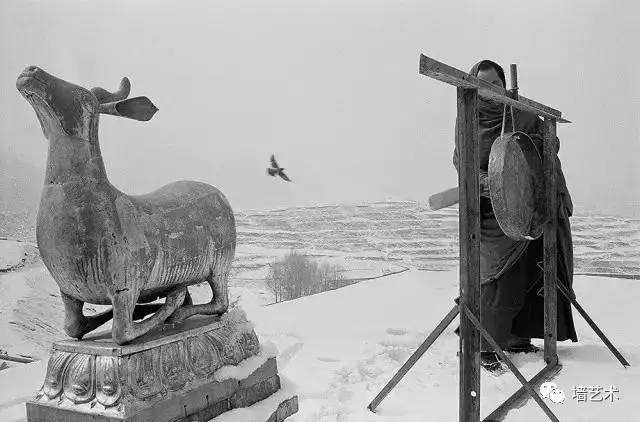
<point x="192" y="371"/>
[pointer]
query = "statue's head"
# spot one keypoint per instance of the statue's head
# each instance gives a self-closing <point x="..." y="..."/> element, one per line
<point x="64" y="108"/>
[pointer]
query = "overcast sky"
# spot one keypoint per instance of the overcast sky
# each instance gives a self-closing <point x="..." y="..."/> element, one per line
<point x="331" y="87"/>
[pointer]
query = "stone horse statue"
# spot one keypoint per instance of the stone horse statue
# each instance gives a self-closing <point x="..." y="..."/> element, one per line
<point x="103" y="246"/>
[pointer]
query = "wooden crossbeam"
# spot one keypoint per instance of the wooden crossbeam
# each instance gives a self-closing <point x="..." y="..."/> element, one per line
<point x="445" y="73"/>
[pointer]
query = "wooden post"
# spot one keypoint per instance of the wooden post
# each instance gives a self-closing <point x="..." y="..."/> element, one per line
<point x="550" y="246"/>
<point x="514" y="81"/>
<point x="469" y="217"/>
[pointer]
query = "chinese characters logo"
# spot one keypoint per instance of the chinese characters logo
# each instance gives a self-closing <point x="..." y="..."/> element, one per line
<point x="595" y="393"/>
<point x="549" y="390"/>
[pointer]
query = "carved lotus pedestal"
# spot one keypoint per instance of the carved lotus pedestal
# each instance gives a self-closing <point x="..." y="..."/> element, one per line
<point x="193" y="371"/>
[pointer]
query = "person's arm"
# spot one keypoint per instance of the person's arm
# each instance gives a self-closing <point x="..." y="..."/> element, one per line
<point x="537" y="137"/>
<point x="561" y="184"/>
<point x="484" y="175"/>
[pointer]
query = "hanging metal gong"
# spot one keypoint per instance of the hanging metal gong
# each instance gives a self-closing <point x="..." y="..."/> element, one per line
<point x="516" y="186"/>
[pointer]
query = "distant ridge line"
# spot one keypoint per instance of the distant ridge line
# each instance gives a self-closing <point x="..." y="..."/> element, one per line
<point x="335" y="205"/>
<point x="611" y="275"/>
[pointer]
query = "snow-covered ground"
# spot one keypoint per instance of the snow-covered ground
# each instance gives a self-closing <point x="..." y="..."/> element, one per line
<point x="11" y="254"/>
<point x="341" y="347"/>
<point x="31" y="312"/>
<point x="32" y="315"/>
<point x="338" y="349"/>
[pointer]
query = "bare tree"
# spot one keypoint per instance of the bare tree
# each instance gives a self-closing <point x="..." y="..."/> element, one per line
<point x="297" y="275"/>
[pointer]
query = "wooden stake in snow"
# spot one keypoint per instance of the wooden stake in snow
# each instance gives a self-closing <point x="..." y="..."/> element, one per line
<point x="19" y="359"/>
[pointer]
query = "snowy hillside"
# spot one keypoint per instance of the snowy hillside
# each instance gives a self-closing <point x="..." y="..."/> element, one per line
<point x="408" y="234"/>
<point x="391" y="233"/>
<point x="339" y="348"/>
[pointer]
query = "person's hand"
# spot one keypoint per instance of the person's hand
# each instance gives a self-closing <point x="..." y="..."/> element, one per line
<point x="537" y="141"/>
<point x="484" y="184"/>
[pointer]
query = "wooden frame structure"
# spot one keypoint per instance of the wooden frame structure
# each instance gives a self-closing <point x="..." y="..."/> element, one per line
<point x="469" y="88"/>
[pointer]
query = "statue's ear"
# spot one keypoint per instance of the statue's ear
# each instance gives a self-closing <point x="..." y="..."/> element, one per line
<point x="138" y="108"/>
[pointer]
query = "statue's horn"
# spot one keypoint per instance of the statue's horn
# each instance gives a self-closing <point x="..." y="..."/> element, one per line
<point x="105" y="96"/>
<point x="137" y="108"/>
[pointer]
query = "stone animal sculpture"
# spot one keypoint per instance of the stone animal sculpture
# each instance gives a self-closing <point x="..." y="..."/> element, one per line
<point x="105" y="247"/>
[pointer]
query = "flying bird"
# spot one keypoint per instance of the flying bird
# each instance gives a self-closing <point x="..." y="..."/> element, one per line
<point x="275" y="169"/>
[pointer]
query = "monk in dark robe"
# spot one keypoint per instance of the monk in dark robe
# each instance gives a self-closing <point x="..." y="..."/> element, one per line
<point x="511" y="277"/>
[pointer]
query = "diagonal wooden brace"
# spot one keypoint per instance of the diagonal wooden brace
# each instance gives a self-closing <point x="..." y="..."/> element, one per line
<point x="520" y="397"/>
<point x="414" y="357"/>
<point x="532" y="392"/>
<point x="563" y="289"/>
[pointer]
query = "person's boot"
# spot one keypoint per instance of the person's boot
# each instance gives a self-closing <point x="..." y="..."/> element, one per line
<point x="521" y="345"/>
<point x="492" y="363"/>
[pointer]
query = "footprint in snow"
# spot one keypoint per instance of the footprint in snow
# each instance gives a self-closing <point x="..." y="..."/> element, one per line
<point x="396" y="331"/>
<point x="327" y="359"/>
<point x="287" y="354"/>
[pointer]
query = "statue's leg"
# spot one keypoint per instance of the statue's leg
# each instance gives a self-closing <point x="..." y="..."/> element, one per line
<point x="187" y="299"/>
<point x="125" y="329"/>
<point x="219" y="286"/>
<point x="76" y="324"/>
<point x="219" y="301"/>
<point x="144" y="309"/>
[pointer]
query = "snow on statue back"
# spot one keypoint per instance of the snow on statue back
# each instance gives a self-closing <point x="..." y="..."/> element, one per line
<point x="105" y="247"/>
